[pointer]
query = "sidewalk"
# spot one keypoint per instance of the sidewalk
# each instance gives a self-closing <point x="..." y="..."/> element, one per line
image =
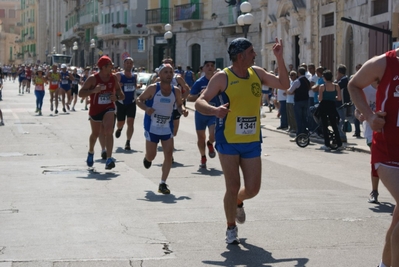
<point x="271" y="122"/>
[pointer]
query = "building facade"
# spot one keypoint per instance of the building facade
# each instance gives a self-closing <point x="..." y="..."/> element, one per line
<point x="328" y="33"/>
<point x="10" y="28"/>
<point x="201" y="31"/>
<point x="312" y="31"/>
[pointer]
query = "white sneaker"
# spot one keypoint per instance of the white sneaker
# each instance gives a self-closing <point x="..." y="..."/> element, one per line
<point x="232" y="236"/>
<point x="325" y="148"/>
<point x="240" y="216"/>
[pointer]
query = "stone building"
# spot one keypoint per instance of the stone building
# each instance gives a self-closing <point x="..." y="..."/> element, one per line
<point x="312" y="31"/>
<point x="317" y="32"/>
<point x="10" y="27"/>
<point x="201" y="30"/>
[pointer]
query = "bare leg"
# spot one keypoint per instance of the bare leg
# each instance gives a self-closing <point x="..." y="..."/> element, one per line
<point x="230" y="165"/>
<point x="201" y="141"/>
<point x="130" y="128"/>
<point x="167" y="147"/>
<point x="95" y="132"/>
<point x="108" y="128"/>
<point x="389" y="177"/>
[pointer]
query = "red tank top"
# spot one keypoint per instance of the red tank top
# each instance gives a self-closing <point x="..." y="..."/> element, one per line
<point x="386" y="143"/>
<point x="101" y="101"/>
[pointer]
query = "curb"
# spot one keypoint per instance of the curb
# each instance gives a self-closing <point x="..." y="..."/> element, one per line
<point x="316" y="140"/>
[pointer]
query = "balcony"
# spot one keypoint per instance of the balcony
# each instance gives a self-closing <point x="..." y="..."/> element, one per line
<point x="188" y="14"/>
<point x="89" y="20"/>
<point x="155" y="19"/>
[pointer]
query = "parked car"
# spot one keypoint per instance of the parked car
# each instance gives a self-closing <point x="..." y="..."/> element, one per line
<point x="145" y="78"/>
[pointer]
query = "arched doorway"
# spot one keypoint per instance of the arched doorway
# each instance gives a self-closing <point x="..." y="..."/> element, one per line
<point x="195" y="57"/>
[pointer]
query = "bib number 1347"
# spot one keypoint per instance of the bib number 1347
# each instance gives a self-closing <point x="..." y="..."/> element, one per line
<point x="246" y="125"/>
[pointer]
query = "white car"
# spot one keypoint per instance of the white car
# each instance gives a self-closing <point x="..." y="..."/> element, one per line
<point x="145" y="78"/>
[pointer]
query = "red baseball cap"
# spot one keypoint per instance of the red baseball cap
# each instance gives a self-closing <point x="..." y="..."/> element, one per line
<point x="102" y="61"/>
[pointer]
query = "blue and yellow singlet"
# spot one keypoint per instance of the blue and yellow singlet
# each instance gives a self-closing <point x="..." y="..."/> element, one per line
<point x="242" y="123"/>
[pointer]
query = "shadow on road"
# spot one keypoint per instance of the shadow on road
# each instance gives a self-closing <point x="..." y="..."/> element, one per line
<point x="123" y="151"/>
<point x="383" y="207"/>
<point x="210" y="171"/>
<point x="167" y="199"/>
<point x="101" y="176"/>
<point x="249" y="255"/>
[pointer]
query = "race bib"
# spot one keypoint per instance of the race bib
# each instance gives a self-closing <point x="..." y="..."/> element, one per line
<point x="160" y="121"/>
<point x="246" y="125"/>
<point x="64" y="81"/>
<point x="129" y="87"/>
<point x="104" y="99"/>
<point x="74" y="82"/>
<point x="54" y="82"/>
<point x="39" y="88"/>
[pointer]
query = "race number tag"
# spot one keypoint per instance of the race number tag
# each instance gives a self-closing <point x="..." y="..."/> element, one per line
<point x="160" y="121"/>
<point x="74" y="82"/>
<point x="246" y="125"/>
<point x="54" y="82"/>
<point x="104" y="99"/>
<point x="64" y="81"/>
<point x="129" y="87"/>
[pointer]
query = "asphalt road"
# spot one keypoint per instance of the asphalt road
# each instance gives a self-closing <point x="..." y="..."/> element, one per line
<point x="311" y="211"/>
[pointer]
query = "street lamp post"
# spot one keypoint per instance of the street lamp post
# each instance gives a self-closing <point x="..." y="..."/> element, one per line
<point x="92" y="47"/>
<point x="245" y="19"/>
<point x="63" y="49"/>
<point x="75" y="49"/>
<point x="168" y="37"/>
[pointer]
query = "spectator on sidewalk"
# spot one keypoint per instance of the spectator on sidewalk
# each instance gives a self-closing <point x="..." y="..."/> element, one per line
<point x="290" y="106"/>
<point x="342" y="81"/>
<point x="300" y="89"/>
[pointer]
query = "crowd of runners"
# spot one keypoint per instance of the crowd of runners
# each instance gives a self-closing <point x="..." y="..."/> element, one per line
<point x="227" y="102"/>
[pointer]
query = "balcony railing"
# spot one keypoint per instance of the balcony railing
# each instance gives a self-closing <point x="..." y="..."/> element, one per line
<point x="188" y="12"/>
<point x="159" y="16"/>
<point x="88" y="20"/>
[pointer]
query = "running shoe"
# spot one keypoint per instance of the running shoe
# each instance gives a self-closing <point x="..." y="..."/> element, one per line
<point x="73" y="109"/>
<point x="37" y="110"/>
<point x="104" y="154"/>
<point x="147" y="164"/>
<point x="163" y="188"/>
<point x="232" y="236"/>
<point x="127" y="145"/>
<point x="56" y="111"/>
<point x="90" y="160"/>
<point x="326" y="148"/>
<point x="118" y="133"/>
<point x="203" y="162"/>
<point x="240" y="216"/>
<point x="67" y="105"/>
<point x="211" y="152"/>
<point x="1" y="123"/>
<point x="40" y="113"/>
<point x="373" y="197"/>
<point x="63" y="109"/>
<point x="109" y="164"/>
<point x="51" y="107"/>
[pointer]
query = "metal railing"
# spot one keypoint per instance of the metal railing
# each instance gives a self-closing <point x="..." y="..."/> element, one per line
<point x="159" y="16"/>
<point x="188" y="12"/>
